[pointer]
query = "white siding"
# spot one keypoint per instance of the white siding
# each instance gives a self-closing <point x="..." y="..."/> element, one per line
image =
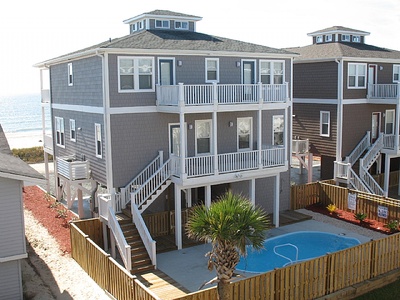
<point x="12" y="234"/>
<point x="10" y="280"/>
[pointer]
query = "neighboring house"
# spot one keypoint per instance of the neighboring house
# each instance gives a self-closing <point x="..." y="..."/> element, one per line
<point x="346" y="102"/>
<point x="14" y="174"/>
<point x="174" y="116"/>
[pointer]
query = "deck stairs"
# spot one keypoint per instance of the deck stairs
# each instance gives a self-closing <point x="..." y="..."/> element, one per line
<point x="141" y="261"/>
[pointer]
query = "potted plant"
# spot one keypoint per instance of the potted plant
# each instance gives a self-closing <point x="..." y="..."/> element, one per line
<point x="393" y="226"/>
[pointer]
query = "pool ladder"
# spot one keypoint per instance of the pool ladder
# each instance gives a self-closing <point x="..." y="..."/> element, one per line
<point x="289" y="260"/>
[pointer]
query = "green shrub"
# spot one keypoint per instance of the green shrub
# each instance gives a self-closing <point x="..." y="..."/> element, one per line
<point x="30" y="155"/>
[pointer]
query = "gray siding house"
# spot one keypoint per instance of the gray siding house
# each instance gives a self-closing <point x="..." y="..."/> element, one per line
<point x="14" y="174"/>
<point x="346" y="103"/>
<point x="167" y="117"/>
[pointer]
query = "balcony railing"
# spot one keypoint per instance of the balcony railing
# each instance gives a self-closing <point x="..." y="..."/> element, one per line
<point x="73" y="169"/>
<point x="383" y="91"/>
<point x="230" y="162"/>
<point x="208" y="94"/>
<point x="389" y="141"/>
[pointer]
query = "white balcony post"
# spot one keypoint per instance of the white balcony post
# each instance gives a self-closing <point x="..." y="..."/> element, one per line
<point x="259" y="138"/>
<point x="182" y="143"/>
<point x="181" y="94"/>
<point x="252" y="191"/>
<point x="276" y="201"/>
<point x="208" y="195"/>
<point x="287" y="90"/>
<point x="260" y="93"/>
<point x="215" y="141"/>
<point x="161" y="155"/>
<point x="397" y="124"/>
<point x="215" y="93"/>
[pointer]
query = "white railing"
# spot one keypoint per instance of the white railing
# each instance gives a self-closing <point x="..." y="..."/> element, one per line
<point x="383" y="91"/>
<point x="356" y="182"/>
<point x="207" y="94"/>
<point x="45" y="95"/>
<point x="73" y="169"/>
<point x="359" y="149"/>
<point x="342" y="170"/>
<point x="144" y="233"/>
<point x="300" y="146"/>
<point x="371" y="183"/>
<point x="239" y="161"/>
<point x="141" y="178"/>
<point x="148" y="188"/>
<point x="104" y="202"/>
<point x="122" y="245"/>
<point x="389" y="141"/>
<point x="273" y="157"/>
<point x="48" y="142"/>
<point x="372" y="154"/>
<point x="199" y="166"/>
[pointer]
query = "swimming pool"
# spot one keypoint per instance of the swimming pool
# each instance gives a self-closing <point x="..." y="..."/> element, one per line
<point x="282" y="250"/>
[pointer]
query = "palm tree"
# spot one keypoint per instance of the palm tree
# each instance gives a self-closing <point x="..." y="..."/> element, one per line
<point x="229" y="224"/>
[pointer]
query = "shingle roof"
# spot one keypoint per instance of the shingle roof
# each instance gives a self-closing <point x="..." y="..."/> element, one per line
<point x="12" y="165"/>
<point x="343" y="49"/>
<point x="338" y="29"/>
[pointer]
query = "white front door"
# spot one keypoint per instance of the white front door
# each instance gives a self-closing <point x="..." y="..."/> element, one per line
<point x="376" y="126"/>
<point x="372" y="74"/>
<point x="174" y="140"/>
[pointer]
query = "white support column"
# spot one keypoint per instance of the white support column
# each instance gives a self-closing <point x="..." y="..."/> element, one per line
<point x="207" y="191"/>
<point x="259" y="137"/>
<point x="387" y="173"/>
<point x="189" y="197"/>
<point x="105" y="237"/>
<point x="215" y="139"/>
<point x="81" y="211"/>
<point x="252" y="191"/>
<point x="112" y="240"/>
<point x="397" y="123"/>
<point x="276" y="201"/>
<point x="182" y="144"/>
<point x="178" y="217"/>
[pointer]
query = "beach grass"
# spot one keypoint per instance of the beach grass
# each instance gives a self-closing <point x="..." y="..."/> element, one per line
<point x="31" y="155"/>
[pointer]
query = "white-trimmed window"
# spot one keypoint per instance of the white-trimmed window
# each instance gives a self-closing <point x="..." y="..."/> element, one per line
<point x="356" y="39"/>
<point x="72" y="130"/>
<point x="135" y="74"/>
<point x="324" y="123"/>
<point x="133" y="27"/>
<point x="60" y="136"/>
<point x="212" y="70"/>
<point x="389" y="121"/>
<point x="396" y="73"/>
<point x="345" y="37"/>
<point x="184" y="25"/>
<point x="272" y="72"/>
<point x="70" y="75"/>
<point x="244" y="133"/>
<point x="99" y="144"/>
<point x="328" y="38"/>
<point x="140" y="25"/>
<point x="278" y="126"/>
<point x="357" y="75"/>
<point x="203" y="137"/>
<point x="162" y="24"/>
<point x="319" y="39"/>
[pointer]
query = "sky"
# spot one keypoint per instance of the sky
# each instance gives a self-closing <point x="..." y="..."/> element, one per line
<point x="35" y="31"/>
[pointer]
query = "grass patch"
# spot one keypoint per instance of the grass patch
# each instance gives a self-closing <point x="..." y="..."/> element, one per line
<point x="31" y="155"/>
<point x="388" y="292"/>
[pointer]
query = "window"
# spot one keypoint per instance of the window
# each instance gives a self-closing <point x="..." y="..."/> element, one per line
<point x="244" y="133"/>
<point x="212" y="69"/>
<point x="345" y="37"/>
<point x="203" y="137"/>
<point x="328" y="38"/>
<point x="356" y="39"/>
<point x="272" y="72"/>
<point x="396" y="73"/>
<point x="60" y="138"/>
<point x="318" y="39"/>
<point x="140" y="25"/>
<point x="324" y="125"/>
<point x="278" y="127"/>
<point x="181" y="25"/>
<point x="357" y="75"/>
<point x="72" y="131"/>
<point x="389" y="121"/>
<point x="135" y="74"/>
<point x="162" y="24"/>
<point x="70" y="75"/>
<point x="99" y="145"/>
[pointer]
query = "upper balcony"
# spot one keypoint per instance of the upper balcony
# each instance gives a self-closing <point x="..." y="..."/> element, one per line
<point x="384" y="92"/>
<point x="72" y="168"/>
<point x="225" y="97"/>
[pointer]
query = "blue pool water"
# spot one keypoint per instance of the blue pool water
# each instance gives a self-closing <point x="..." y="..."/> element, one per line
<point x="310" y="244"/>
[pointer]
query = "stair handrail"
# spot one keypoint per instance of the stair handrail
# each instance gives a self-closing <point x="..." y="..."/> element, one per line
<point x="371" y="156"/>
<point x="357" y="183"/>
<point x="364" y="143"/>
<point x="142" y="193"/>
<point x="371" y="183"/>
<point x="142" y="177"/>
<point x="121" y="243"/>
<point x="144" y="233"/>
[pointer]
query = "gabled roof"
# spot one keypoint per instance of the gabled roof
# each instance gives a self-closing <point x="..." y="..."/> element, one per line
<point x="338" y="29"/>
<point x="344" y="50"/>
<point x="172" y="40"/>
<point x="13" y="167"/>
<point x="164" y="14"/>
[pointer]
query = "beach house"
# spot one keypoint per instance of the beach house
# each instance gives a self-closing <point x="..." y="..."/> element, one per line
<point x="14" y="175"/>
<point x="166" y="118"/>
<point x="346" y="104"/>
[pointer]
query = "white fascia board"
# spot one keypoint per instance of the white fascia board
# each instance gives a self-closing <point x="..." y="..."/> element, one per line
<point x="80" y="108"/>
<point x="70" y="57"/>
<point x="14" y="257"/>
<point x="314" y="60"/>
<point x="166" y="17"/>
<point x="26" y="179"/>
<point x="339" y="31"/>
<point x="372" y="59"/>
<point x="314" y="101"/>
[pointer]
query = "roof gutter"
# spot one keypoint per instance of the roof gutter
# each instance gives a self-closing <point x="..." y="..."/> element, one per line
<point x="61" y="59"/>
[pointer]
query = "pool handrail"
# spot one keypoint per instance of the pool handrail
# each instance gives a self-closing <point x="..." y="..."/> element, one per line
<point x="290" y="261"/>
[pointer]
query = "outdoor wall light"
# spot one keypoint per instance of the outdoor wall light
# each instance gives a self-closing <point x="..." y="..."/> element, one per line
<point x="380" y="68"/>
<point x="230" y="124"/>
<point x="190" y="126"/>
<point x="238" y="64"/>
<point x="180" y="63"/>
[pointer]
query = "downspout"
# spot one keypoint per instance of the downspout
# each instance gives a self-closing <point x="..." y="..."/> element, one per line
<point x="339" y="125"/>
<point x="106" y="115"/>
<point x="291" y="112"/>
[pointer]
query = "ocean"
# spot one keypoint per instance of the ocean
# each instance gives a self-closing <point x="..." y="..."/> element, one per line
<point x="21" y="119"/>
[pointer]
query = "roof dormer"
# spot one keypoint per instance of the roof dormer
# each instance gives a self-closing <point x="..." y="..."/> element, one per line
<point x="161" y="20"/>
<point x="338" y="34"/>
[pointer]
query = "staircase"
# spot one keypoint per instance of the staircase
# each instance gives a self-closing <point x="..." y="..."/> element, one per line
<point x="140" y="259"/>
